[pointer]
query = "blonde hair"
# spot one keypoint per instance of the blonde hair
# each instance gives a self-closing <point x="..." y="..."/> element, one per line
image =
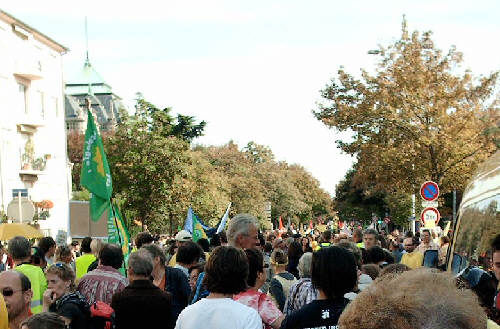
<point x="96" y="246"/>
<point x="400" y="302"/>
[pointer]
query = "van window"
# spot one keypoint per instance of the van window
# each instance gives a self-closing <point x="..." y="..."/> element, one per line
<point x="479" y="223"/>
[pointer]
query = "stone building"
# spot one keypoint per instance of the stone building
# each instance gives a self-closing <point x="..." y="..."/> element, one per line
<point x="105" y="104"/>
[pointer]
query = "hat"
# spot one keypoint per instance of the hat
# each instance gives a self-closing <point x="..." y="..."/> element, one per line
<point x="183" y="236"/>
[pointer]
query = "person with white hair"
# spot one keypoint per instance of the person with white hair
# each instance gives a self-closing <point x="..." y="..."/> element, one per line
<point x="242" y="231"/>
<point x="302" y="292"/>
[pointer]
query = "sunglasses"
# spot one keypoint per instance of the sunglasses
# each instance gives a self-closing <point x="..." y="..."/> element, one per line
<point x="58" y="265"/>
<point x="7" y="292"/>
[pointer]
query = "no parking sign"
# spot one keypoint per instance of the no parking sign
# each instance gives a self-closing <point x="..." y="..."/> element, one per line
<point x="429" y="191"/>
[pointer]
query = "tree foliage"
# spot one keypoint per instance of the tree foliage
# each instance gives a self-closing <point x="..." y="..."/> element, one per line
<point x="157" y="175"/>
<point x="418" y="117"/>
<point x="255" y="178"/>
<point x="353" y="202"/>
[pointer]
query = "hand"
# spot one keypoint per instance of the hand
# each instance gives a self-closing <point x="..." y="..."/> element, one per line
<point x="49" y="297"/>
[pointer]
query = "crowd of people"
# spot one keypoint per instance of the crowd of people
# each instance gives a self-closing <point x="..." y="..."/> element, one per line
<point x="243" y="278"/>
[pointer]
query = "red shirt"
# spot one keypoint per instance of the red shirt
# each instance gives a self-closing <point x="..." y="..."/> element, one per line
<point x="261" y="303"/>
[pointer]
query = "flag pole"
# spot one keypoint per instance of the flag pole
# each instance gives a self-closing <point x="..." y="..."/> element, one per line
<point x="118" y="231"/>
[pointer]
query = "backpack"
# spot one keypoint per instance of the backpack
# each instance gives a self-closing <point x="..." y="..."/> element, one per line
<point x="102" y="316"/>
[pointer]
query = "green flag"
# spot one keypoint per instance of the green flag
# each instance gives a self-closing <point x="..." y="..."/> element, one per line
<point x="118" y="234"/>
<point x="95" y="175"/>
<point x="198" y="231"/>
<point x="98" y="206"/>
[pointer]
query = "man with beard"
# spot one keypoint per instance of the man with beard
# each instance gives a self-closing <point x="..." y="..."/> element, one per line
<point x="16" y="290"/>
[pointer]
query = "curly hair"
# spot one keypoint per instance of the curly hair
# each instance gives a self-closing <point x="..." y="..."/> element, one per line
<point x="64" y="272"/>
<point x="400" y="302"/>
<point x="226" y="271"/>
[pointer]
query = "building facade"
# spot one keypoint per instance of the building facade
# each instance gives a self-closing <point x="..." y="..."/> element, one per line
<point x="33" y="155"/>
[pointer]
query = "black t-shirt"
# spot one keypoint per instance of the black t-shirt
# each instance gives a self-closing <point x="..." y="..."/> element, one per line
<point x="319" y="314"/>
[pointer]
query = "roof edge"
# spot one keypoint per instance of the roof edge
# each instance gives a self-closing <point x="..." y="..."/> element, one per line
<point x="37" y="34"/>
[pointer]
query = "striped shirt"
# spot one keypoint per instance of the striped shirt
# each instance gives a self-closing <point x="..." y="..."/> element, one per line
<point x="301" y="293"/>
<point x="101" y="284"/>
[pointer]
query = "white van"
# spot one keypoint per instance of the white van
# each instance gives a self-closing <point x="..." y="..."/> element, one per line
<point x="478" y="218"/>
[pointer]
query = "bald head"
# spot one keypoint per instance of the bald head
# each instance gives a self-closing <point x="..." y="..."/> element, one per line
<point x="24" y="282"/>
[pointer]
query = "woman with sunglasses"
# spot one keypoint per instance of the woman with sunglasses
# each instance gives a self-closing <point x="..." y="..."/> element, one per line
<point x="61" y="297"/>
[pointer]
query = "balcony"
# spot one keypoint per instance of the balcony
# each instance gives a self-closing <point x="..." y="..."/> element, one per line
<point x="31" y="168"/>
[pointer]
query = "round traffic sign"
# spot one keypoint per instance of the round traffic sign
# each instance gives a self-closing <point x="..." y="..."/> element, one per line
<point x="430" y="214"/>
<point x="429" y="191"/>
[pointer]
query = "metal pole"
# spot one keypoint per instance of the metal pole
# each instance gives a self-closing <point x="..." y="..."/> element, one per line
<point x="454" y="204"/>
<point x="413" y="213"/>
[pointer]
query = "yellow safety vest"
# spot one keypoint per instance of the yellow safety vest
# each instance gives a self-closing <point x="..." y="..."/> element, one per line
<point x="322" y="245"/>
<point x="4" y="317"/>
<point x="38" y="284"/>
<point x="82" y="264"/>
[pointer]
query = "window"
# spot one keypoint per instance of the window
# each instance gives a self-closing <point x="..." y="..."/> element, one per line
<point x="40" y="107"/>
<point x="22" y="97"/>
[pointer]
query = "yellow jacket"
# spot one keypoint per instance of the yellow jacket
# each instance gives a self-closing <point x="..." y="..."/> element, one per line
<point x="82" y="264"/>
<point x="38" y="284"/>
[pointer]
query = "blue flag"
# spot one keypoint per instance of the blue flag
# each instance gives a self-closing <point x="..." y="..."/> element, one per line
<point x="196" y="227"/>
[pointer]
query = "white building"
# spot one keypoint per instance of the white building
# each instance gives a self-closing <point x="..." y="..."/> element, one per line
<point x="33" y="156"/>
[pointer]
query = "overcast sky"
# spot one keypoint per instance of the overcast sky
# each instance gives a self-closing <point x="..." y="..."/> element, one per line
<point x="254" y="69"/>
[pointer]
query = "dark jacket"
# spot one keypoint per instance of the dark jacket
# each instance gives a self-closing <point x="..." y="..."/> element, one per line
<point x="73" y="306"/>
<point x="142" y="305"/>
<point x="177" y="284"/>
<point x="292" y="267"/>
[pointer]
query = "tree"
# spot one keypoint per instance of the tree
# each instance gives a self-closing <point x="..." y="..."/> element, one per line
<point x="245" y="191"/>
<point x="161" y="122"/>
<point x="355" y="203"/>
<point x="155" y="174"/>
<point x="254" y="178"/>
<point x="417" y="118"/>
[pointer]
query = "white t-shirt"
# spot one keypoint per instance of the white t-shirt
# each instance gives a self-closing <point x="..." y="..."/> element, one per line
<point x="218" y="313"/>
